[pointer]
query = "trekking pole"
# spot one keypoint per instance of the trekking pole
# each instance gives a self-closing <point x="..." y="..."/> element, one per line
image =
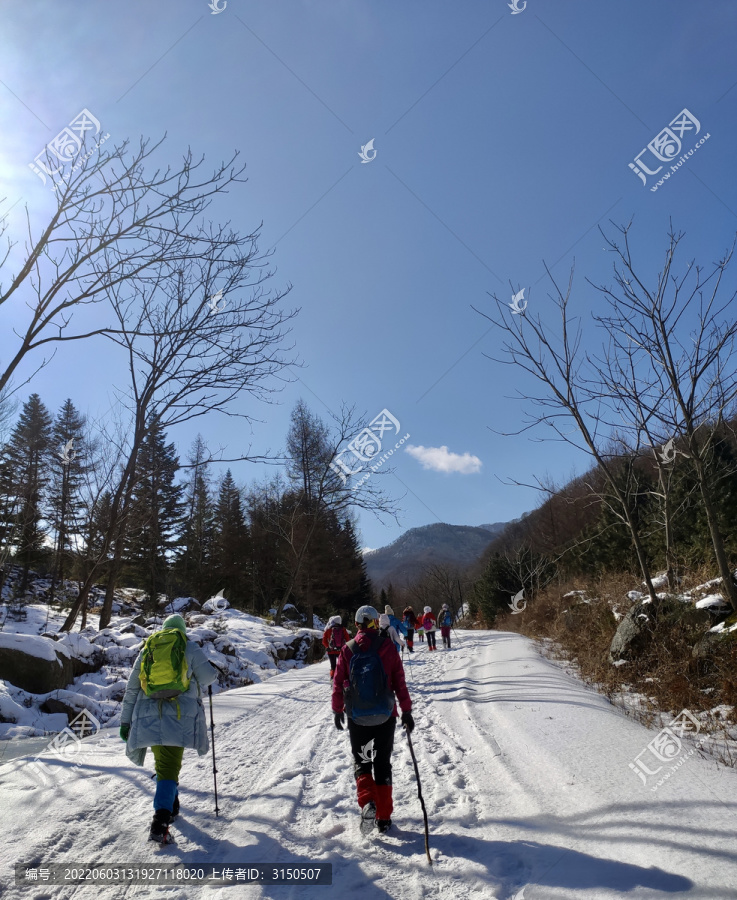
<point x="419" y="794"/>
<point x="214" y="768"/>
<point x="410" y="667"/>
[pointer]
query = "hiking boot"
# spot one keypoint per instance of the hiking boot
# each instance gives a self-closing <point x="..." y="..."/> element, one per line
<point x="368" y="817"/>
<point x="160" y="826"/>
<point x="383" y="825"/>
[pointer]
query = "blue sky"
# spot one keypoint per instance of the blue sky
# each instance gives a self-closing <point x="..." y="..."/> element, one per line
<point x="501" y="141"/>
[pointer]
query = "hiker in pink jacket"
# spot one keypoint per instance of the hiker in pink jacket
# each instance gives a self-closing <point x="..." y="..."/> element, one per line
<point x="429" y="624"/>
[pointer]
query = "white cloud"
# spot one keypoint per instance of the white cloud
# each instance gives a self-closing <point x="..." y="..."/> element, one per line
<point x="440" y="459"/>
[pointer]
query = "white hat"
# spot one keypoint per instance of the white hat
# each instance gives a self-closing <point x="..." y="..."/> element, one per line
<point x="337" y="620"/>
<point x="366" y="614"/>
<point x="388" y="610"/>
<point x="428" y="609"/>
<point x="445" y="605"/>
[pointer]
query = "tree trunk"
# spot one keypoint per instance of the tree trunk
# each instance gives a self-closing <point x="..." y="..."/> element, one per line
<point x="107" y="606"/>
<point x="670" y="558"/>
<point x="730" y="590"/>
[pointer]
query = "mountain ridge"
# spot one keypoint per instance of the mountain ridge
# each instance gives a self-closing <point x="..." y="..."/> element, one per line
<point x="405" y="558"/>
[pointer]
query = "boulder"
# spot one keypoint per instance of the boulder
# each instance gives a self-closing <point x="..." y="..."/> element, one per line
<point x="85" y="656"/>
<point x="632" y="632"/>
<point x="315" y="651"/>
<point x="223" y="645"/>
<point x="35" y="664"/>
<point x="53" y="705"/>
<point x="704" y="648"/>
<point x="135" y="629"/>
<point x="717" y="637"/>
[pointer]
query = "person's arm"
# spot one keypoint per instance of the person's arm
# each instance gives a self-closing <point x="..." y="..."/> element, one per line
<point x="132" y="690"/>
<point x="325" y="639"/>
<point x="205" y="673"/>
<point x="341" y="675"/>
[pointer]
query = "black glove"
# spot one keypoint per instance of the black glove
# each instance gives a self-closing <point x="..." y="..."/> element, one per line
<point x="408" y="722"/>
<point x="339" y="718"/>
<point x="124" y="732"/>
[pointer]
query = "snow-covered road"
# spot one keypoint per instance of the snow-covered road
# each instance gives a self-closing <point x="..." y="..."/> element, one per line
<point x="524" y="771"/>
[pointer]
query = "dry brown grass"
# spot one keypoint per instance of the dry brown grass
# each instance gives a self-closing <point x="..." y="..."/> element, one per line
<point x="665" y="672"/>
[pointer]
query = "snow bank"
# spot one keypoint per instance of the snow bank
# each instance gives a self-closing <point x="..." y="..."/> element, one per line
<point x="245" y="649"/>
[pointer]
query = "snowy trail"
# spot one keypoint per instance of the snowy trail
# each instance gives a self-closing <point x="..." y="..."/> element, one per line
<point x="524" y="772"/>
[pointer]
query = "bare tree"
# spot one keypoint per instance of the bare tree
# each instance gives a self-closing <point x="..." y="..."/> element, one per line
<point x="571" y="395"/>
<point x="114" y="224"/>
<point x="680" y="337"/>
<point x="322" y="489"/>
<point x="188" y="357"/>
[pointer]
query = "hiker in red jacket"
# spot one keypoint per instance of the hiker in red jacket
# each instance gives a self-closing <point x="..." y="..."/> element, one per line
<point x="368" y="675"/>
<point x="334" y="638"/>
<point x="428" y="623"/>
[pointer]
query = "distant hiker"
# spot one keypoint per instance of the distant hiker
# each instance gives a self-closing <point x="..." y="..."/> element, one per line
<point x="368" y="676"/>
<point x="162" y="710"/>
<point x="396" y="623"/>
<point x="386" y="627"/>
<point x="428" y="623"/>
<point x="334" y="638"/>
<point x="445" y="620"/>
<point x="409" y="620"/>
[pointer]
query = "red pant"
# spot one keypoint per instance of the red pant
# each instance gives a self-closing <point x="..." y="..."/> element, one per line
<point x="372" y="747"/>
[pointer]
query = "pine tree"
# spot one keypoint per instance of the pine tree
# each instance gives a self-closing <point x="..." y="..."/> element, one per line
<point x="25" y="467"/>
<point x="359" y="591"/>
<point x="68" y="468"/>
<point x="231" y="550"/>
<point x="194" y="566"/>
<point x="493" y="591"/>
<point x="155" y="514"/>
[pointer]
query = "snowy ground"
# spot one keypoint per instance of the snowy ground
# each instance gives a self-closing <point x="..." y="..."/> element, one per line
<point x="525" y="773"/>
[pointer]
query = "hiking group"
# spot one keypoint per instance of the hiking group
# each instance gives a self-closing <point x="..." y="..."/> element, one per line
<point x="162" y="706"/>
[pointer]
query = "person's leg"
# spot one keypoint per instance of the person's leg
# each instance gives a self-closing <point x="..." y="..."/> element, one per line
<point x="410" y="639"/>
<point x="168" y="762"/>
<point x="383" y="746"/>
<point x="333" y="657"/>
<point x="361" y="736"/>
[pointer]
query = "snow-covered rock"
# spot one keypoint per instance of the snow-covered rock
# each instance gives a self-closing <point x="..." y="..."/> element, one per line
<point x="712" y="601"/>
<point x="35" y="664"/>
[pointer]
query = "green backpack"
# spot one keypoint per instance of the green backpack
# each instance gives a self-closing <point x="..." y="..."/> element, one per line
<point x="164" y="665"/>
